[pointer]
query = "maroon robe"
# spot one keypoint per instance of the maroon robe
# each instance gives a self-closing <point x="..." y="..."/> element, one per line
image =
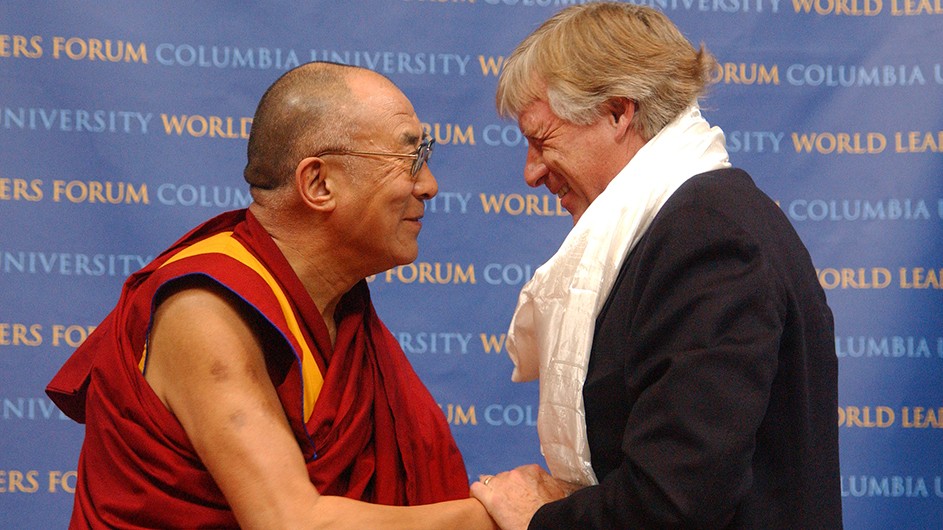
<point x="372" y="432"/>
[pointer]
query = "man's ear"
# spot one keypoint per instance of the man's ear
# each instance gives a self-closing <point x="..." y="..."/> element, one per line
<point x="315" y="184"/>
<point x="621" y="112"/>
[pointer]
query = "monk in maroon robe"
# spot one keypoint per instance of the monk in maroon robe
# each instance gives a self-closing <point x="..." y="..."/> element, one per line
<point x="244" y="378"/>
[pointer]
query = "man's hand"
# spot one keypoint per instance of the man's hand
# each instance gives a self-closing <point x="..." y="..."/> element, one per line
<point x="514" y="496"/>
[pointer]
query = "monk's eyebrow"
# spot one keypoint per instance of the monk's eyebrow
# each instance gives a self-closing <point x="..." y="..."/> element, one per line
<point x="411" y="139"/>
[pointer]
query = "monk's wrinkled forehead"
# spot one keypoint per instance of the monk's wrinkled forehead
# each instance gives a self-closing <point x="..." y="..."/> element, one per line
<point x="382" y="109"/>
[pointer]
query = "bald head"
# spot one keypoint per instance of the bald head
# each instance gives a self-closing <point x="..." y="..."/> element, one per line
<point x="308" y="109"/>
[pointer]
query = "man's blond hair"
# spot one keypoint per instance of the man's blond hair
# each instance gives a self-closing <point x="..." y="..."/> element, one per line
<point x="586" y="55"/>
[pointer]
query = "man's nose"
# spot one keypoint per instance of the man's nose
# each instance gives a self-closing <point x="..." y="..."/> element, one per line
<point x="534" y="168"/>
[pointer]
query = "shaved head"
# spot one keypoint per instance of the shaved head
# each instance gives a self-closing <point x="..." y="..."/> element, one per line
<point x="306" y="110"/>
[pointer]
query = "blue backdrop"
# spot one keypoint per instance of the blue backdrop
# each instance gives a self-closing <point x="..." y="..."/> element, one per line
<point x="123" y="124"/>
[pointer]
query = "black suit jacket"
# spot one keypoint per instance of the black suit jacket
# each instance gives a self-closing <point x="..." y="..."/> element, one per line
<point x="711" y="395"/>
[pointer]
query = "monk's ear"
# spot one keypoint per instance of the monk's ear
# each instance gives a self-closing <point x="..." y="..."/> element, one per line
<point x="315" y="184"/>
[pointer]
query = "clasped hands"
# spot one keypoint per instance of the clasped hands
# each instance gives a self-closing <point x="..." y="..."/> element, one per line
<point x="513" y="497"/>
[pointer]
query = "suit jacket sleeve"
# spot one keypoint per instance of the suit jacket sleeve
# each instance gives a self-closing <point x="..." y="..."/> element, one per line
<point x="692" y="327"/>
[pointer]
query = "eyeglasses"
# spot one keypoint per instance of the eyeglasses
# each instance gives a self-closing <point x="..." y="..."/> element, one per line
<point x="420" y="157"/>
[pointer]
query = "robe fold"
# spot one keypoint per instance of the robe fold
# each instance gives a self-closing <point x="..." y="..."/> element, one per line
<point x="366" y="425"/>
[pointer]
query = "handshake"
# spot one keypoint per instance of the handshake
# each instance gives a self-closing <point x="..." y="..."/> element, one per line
<point x="513" y="497"/>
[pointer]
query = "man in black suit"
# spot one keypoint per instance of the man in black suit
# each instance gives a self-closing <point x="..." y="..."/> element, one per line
<point x="684" y="346"/>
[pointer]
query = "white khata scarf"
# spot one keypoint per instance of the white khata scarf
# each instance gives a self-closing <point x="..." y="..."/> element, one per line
<point x="551" y="332"/>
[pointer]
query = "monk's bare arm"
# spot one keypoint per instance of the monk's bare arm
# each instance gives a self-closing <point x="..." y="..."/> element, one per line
<point x="207" y="366"/>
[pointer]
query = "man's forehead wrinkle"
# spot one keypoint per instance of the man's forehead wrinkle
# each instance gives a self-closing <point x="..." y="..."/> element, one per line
<point x="527" y="121"/>
<point x="531" y="128"/>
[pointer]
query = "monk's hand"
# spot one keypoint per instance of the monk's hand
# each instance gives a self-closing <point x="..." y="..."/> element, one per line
<point x="514" y="496"/>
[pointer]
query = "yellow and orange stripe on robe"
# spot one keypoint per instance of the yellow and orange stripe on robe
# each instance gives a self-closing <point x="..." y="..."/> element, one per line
<point x="366" y="425"/>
